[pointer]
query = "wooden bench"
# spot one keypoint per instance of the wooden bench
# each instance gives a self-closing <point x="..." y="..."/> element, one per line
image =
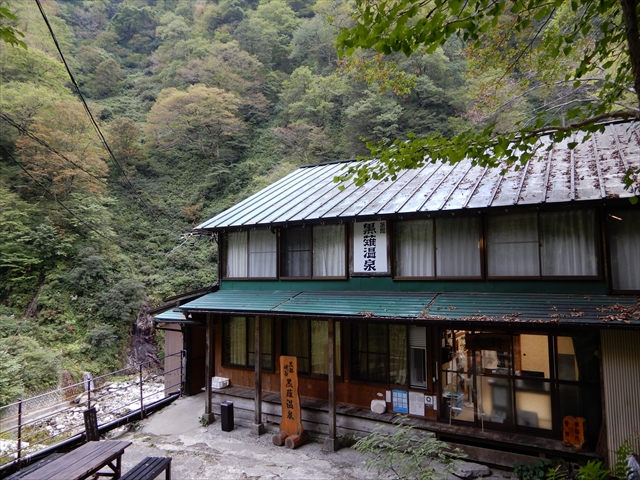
<point x="84" y="462"/>
<point x="149" y="468"/>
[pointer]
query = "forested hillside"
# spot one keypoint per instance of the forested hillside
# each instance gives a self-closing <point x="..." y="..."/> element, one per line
<point x="200" y="102"/>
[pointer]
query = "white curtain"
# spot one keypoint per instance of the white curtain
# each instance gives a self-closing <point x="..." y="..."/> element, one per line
<point x="414" y="248"/>
<point x="329" y="255"/>
<point x="236" y="244"/>
<point x="568" y="243"/>
<point x="624" y="241"/>
<point x="512" y="245"/>
<point x="458" y="247"/>
<point x="262" y="254"/>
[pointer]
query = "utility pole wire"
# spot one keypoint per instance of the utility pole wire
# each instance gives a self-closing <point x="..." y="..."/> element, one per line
<point x="93" y="121"/>
<point x="92" y="227"/>
<point x="26" y="132"/>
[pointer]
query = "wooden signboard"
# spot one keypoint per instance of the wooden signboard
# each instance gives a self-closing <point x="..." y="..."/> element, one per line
<point x="291" y="432"/>
<point x="91" y="425"/>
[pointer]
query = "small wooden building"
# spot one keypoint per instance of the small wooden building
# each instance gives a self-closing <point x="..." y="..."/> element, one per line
<point x="491" y="309"/>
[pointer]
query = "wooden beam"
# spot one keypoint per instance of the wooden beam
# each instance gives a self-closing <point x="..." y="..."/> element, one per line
<point x="208" y="371"/>
<point x="331" y="442"/>
<point x="258" y="427"/>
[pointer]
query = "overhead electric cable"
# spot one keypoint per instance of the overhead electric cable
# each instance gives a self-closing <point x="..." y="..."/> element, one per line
<point x="26" y="132"/>
<point x="55" y="198"/>
<point x="92" y="119"/>
<point x="88" y="224"/>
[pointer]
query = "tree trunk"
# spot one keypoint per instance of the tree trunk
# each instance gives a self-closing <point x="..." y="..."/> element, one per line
<point x="630" y="17"/>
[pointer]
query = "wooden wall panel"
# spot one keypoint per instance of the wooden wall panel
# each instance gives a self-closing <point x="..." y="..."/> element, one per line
<point x="172" y="347"/>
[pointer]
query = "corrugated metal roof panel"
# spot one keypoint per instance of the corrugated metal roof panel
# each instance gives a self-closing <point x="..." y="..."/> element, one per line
<point x="467" y="307"/>
<point x="563" y="309"/>
<point x="533" y="187"/>
<point x="365" y="304"/>
<point x="239" y="301"/>
<point x="592" y="171"/>
<point x="170" y="315"/>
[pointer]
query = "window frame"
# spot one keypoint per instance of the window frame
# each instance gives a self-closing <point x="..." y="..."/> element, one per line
<point x="607" y="215"/>
<point x="387" y="381"/>
<point x="435" y="276"/>
<point x="541" y="277"/>
<point x="224" y="248"/>
<point x="249" y="343"/>
<point x="554" y="382"/>
<point x="339" y="365"/>
<point x="313" y="275"/>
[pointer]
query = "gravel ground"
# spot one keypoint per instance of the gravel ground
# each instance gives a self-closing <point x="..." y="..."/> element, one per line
<point x="201" y="453"/>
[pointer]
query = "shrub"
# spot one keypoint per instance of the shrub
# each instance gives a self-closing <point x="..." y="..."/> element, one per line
<point x="408" y="453"/>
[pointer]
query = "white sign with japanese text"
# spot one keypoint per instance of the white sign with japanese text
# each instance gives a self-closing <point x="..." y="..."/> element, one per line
<point x="370" y="247"/>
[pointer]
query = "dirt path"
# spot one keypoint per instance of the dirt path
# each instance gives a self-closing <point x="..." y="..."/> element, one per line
<point x="201" y="453"/>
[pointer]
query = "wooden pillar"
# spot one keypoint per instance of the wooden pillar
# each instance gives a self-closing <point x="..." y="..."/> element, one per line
<point x="258" y="426"/>
<point x="331" y="442"/>
<point x="208" y="370"/>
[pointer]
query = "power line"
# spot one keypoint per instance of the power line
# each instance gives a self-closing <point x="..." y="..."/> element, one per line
<point x="88" y="224"/>
<point x="55" y="198"/>
<point x="93" y="121"/>
<point x="26" y="132"/>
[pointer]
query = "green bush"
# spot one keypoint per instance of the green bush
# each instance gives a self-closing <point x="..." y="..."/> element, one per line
<point x="537" y="470"/>
<point x="407" y="453"/>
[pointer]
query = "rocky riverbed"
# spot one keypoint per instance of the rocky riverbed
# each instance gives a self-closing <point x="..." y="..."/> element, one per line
<point x="112" y="400"/>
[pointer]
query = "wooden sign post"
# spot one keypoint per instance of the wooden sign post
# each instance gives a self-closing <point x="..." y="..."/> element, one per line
<point x="291" y="432"/>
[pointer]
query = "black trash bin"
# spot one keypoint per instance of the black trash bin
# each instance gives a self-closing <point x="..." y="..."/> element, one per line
<point x="226" y="412"/>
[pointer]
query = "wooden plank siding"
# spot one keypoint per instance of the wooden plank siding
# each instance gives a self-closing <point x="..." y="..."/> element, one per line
<point x="492" y="447"/>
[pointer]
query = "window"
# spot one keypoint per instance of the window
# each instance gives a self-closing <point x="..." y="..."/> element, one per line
<point x="579" y="380"/>
<point x="446" y="247"/>
<point x="624" y="246"/>
<point x="311" y="252"/>
<point x="458" y="247"/>
<point x="418" y="356"/>
<point x="238" y="342"/>
<point x="568" y="243"/>
<point x="379" y="353"/>
<point x="414" y="248"/>
<point x="512" y="245"/>
<point x="295" y="252"/>
<point x="553" y="244"/>
<point x="250" y="254"/>
<point x="309" y="341"/>
<point x="520" y="381"/>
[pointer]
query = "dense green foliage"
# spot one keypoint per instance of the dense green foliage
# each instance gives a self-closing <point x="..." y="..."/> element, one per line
<point x="201" y="103"/>
<point x="580" y="57"/>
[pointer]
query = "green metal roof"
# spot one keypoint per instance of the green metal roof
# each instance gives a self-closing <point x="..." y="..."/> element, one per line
<point x="366" y="304"/>
<point x="170" y="316"/>
<point x="446" y="307"/>
<point x="565" y="309"/>
<point x="239" y="301"/>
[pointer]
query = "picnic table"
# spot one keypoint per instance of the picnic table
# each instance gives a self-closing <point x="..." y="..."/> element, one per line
<point x="84" y="462"/>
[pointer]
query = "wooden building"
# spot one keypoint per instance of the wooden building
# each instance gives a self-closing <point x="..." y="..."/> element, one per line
<point x="489" y="308"/>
